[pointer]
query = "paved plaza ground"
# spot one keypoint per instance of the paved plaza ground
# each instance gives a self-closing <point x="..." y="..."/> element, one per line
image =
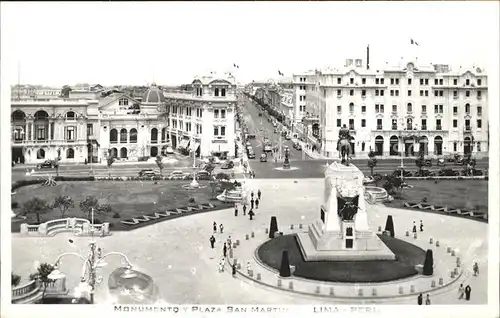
<point x="177" y="253"/>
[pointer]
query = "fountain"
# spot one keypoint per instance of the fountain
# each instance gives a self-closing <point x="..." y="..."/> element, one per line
<point x="286" y="163"/>
<point x="50" y="182"/>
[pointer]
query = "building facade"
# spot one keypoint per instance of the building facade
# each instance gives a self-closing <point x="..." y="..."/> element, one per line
<point x="90" y="127"/>
<point x="404" y="109"/>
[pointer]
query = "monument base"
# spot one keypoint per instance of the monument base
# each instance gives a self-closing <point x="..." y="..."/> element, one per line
<point x="317" y="245"/>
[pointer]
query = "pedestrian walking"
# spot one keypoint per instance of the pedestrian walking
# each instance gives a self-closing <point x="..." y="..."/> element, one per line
<point x="235" y="210"/>
<point x="420" y="299"/>
<point x="212" y="241"/>
<point x="259" y="194"/>
<point x="251" y="194"/>
<point x="251" y="203"/>
<point x="215" y="228"/>
<point x="221" y="227"/>
<point x="249" y="268"/>
<point x="224" y="250"/>
<point x="414" y="227"/>
<point x="461" y="291"/>
<point x="256" y="203"/>
<point x="222" y="264"/>
<point x="427" y="300"/>
<point x="475" y="268"/>
<point x="467" y="292"/>
<point x="253" y="174"/>
<point x="421" y="226"/>
<point x="229" y="243"/>
<point x="245" y="208"/>
<point x="251" y="214"/>
<point x="234" y="269"/>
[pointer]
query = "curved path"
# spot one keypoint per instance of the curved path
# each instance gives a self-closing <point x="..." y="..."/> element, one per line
<point x="178" y="256"/>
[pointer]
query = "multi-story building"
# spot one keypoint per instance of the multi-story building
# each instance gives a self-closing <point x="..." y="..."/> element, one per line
<point x="404" y="109"/>
<point x="88" y="126"/>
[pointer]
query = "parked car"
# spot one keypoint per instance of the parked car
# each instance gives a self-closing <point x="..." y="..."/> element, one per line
<point x="227" y="165"/>
<point x="447" y="172"/>
<point x="169" y="150"/>
<point x="263" y="157"/>
<point x="441" y="162"/>
<point x="450" y="158"/>
<point x="143" y="172"/>
<point x="424" y="173"/>
<point x="428" y="162"/>
<point x="251" y="154"/>
<point x="149" y="174"/>
<point x="397" y="173"/>
<point x="251" y="136"/>
<point x="203" y="175"/>
<point x="177" y="175"/>
<point x="46" y="164"/>
<point x="297" y="146"/>
<point x="472" y="172"/>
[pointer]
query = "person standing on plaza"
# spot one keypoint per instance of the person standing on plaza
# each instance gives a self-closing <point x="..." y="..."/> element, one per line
<point x="215" y="228"/>
<point x="229" y="242"/>
<point x="421" y="226"/>
<point x="235" y="210"/>
<point x="221" y="228"/>
<point x="467" y="292"/>
<point x="251" y="194"/>
<point x="244" y="208"/>
<point x="251" y="214"/>
<point x="475" y="269"/>
<point x="259" y="194"/>
<point x="461" y="291"/>
<point x="251" y="203"/>
<point x="420" y="299"/>
<point x="427" y="300"/>
<point x="234" y="269"/>
<point x="224" y="250"/>
<point x="256" y="203"/>
<point x="212" y="241"/>
<point x="414" y="227"/>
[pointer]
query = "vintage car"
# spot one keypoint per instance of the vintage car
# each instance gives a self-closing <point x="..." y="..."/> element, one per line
<point x="263" y="157"/>
<point x="178" y="175"/>
<point x="397" y="173"/>
<point x="203" y="175"/>
<point x="46" y="164"/>
<point x="447" y="172"/>
<point x="227" y="165"/>
<point x="424" y="173"/>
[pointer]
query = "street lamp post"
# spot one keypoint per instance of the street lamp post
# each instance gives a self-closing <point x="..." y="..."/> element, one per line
<point x="194" y="183"/>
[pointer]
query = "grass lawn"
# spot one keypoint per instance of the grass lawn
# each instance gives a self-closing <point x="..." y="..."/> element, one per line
<point x="459" y="194"/>
<point x="407" y="256"/>
<point x="128" y="198"/>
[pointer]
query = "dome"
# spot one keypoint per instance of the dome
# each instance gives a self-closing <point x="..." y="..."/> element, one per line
<point x="153" y="95"/>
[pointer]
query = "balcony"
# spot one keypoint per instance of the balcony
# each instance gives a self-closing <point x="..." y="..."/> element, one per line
<point x="394" y="127"/>
<point x="479" y="97"/>
<point x="394" y="113"/>
<point x="424" y="127"/>
<point x="379" y="127"/>
<point x="439" y="127"/>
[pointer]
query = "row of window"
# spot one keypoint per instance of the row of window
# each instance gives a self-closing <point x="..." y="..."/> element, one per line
<point x="409" y="124"/>
<point x="395" y="92"/>
<point x="423" y="81"/>
<point x="438" y="108"/>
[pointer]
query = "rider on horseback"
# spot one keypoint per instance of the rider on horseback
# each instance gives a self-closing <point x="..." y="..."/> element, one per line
<point x="344" y="138"/>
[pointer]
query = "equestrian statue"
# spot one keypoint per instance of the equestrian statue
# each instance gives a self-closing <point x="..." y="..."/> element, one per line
<point x="344" y="146"/>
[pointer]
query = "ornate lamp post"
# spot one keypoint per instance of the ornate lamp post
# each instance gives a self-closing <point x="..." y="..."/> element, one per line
<point x="194" y="183"/>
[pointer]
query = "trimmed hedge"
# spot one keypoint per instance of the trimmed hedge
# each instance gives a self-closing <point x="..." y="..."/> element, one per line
<point x="448" y="178"/>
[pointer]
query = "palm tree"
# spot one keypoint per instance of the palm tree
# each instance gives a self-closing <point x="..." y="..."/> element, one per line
<point x="372" y="163"/>
<point x="36" y="206"/>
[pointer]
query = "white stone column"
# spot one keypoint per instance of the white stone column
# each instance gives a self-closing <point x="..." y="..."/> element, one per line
<point x="361" y="219"/>
<point x="50" y="130"/>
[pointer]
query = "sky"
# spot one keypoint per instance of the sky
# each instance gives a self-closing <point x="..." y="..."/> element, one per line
<point x="135" y="43"/>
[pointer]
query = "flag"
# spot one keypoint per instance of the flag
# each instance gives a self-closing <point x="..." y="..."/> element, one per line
<point x="413" y="42"/>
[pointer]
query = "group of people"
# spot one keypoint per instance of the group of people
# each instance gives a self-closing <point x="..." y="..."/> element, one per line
<point x="414" y="230"/>
<point x="254" y="203"/>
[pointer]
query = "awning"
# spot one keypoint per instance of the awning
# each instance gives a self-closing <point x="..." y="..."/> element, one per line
<point x="184" y="143"/>
<point x="194" y="146"/>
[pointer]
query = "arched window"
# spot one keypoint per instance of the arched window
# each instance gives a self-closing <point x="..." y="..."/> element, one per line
<point x="70" y="153"/>
<point x="379" y="145"/>
<point x="40" y="154"/>
<point x="18" y="115"/>
<point x="409" y="124"/>
<point x="455" y="146"/>
<point x="394" y="146"/>
<point x="154" y="135"/>
<point x="351" y="107"/>
<point x="70" y="115"/>
<point x="164" y="135"/>
<point x="113" y="136"/>
<point x="216" y="92"/>
<point x="123" y="153"/>
<point x="438" y="145"/>
<point x="133" y="136"/>
<point x="223" y="92"/>
<point x="409" y="107"/>
<point x="123" y="135"/>
<point x="478" y="146"/>
<point x="467" y="108"/>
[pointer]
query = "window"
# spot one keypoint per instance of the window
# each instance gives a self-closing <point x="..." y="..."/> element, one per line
<point x="478" y="146"/>
<point x="409" y="124"/>
<point x="216" y="92"/>
<point x="409" y="81"/>
<point x="379" y="123"/>
<point x="438" y="124"/>
<point x="478" y="94"/>
<point x="351" y="80"/>
<point x="70" y="133"/>
<point x="324" y="92"/>
<point x="440" y="81"/>
<point x="424" y="109"/>
<point x="363" y="109"/>
<point x="409" y="107"/>
<point x="426" y="81"/>
<point x="394" y="108"/>
<point x="467" y="82"/>
<point x="363" y="81"/>
<point x="421" y="81"/>
<point x="339" y="92"/>
<point x="381" y="92"/>
<point x="133" y="136"/>
<point x="435" y="81"/>
<point x="70" y="116"/>
<point x="90" y="129"/>
<point x="394" y="125"/>
<point x="397" y="92"/>
<point x="381" y="81"/>
<point x="479" y="123"/>
<point x="424" y="124"/>
<point x="421" y="93"/>
<point x="455" y="110"/>
<point x="339" y="122"/>
<point x="339" y="109"/>
<point x="409" y="92"/>
<point x="436" y="93"/>
<point x="479" y="82"/>
<point x="467" y="124"/>
<point x="455" y="94"/>
<point x="363" y="93"/>
<point x="339" y="80"/>
<point x="40" y="133"/>
<point x="216" y="113"/>
<point x="223" y="113"/>
<point x="392" y="92"/>
<point x="363" y="122"/>
<point x="397" y="81"/>
<point x="123" y="102"/>
<point x="455" y="81"/>
<point x="455" y="123"/>
<point x="351" y="124"/>
<point x="216" y="131"/>
<point x="455" y="146"/>
<point x="441" y="93"/>
<point x="223" y="92"/>
<point x="377" y="92"/>
<point x="363" y="146"/>
<point x="351" y="108"/>
<point x="467" y="108"/>
<point x="351" y="92"/>
<point x="392" y="81"/>
<point x="377" y="81"/>
<point x="479" y="110"/>
<point x="123" y="135"/>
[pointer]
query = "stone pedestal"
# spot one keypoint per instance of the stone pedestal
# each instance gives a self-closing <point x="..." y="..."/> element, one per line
<point x="337" y="235"/>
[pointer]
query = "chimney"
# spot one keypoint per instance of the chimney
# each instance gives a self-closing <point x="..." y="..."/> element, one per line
<point x="368" y="57"/>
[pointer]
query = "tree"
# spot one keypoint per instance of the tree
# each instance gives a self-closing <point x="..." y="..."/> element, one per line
<point x="372" y="162"/>
<point x="15" y="279"/>
<point x="42" y="275"/>
<point x="65" y="91"/>
<point x="36" y="206"/>
<point x="160" y="164"/>
<point x="56" y="161"/>
<point x="109" y="162"/>
<point x="63" y="203"/>
<point x="420" y="161"/>
<point x="273" y="227"/>
<point x="285" y="265"/>
<point x="222" y="176"/>
<point x="214" y="186"/>
<point x="88" y="204"/>
<point x="428" y="263"/>
<point x="389" y="225"/>
<point x="209" y="168"/>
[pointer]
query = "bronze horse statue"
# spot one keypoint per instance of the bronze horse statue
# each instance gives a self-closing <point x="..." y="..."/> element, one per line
<point x="345" y="151"/>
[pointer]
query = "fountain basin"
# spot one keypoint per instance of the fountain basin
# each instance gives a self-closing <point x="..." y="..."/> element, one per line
<point x="376" y="194"/>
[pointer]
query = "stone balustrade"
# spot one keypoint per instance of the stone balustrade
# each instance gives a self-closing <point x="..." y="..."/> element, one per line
<point x="81" y="227"/>
<point x="21" y="292"/>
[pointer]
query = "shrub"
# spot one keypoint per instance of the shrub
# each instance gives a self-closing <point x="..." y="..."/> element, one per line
<point x="88" y="178"/>
<point x="16" y="279"/>
<point x="23" y="183"/>
<point x="273" y="227"/>
<point x="116" y="215"/>
<point x="285" y="265"/>
<point x="145" y="158"/>
<point x="389" y="225"/>
<point x="191" y="200"/>
<point x="14" y="205"/>
<point x="222" y="176"/>
<point x="428" y="263"/>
